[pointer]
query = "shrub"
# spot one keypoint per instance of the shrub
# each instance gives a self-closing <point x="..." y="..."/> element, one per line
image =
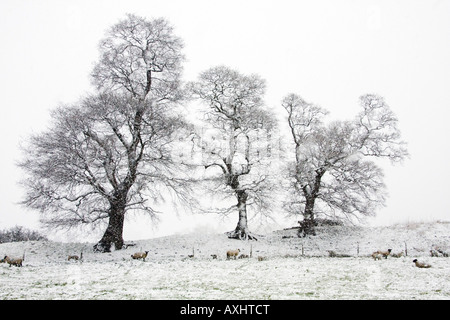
<point x="19" y="233"/>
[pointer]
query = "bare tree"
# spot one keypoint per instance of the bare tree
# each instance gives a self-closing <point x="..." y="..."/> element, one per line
<point x="237" y="123"/>
<point x="111" y="152"/>
<point x="332" y="174"/>
<point x="140" y="57"/>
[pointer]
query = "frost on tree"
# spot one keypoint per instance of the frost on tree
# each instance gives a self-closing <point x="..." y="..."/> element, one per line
<point x="234" y="150"/>
<point x="334" y="173"/>
<point x="110" y="153"/>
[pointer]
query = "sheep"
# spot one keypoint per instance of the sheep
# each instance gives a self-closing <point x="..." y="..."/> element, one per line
<point x="75" y="257"/>
<point x="140" y="255"/>
<point x="261" y="258"/>
<point x="383" y="253"/>
<point x="233" y="253"/>
<point x="421" y="264"/>
<point x="214" y="256"/>
<point x="15" y="261"/>
<point x="243" y="256"/>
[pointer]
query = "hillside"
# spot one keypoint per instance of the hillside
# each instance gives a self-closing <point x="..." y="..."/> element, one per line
<point x="418" y="237"/>
<point x="168" y="272"/>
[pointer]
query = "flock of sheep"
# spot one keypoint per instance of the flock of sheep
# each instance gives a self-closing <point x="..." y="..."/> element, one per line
<point x="230" y="254"/>
<point x="17" y="262"/>
<point x="377" y="255"/>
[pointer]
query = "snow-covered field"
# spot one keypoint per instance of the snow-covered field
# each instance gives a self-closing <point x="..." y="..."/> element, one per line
<point x="168" y="272"/>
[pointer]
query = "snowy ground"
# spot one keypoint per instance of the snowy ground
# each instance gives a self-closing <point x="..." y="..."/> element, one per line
<point x="168" y="272"/>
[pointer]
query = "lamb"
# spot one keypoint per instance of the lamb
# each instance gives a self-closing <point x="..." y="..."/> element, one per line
<point x="15" y="261"/>
<point x="140" y="255"/>
<point x="233" y="253"/>
<point x="243" y="256"/>
<point x="421" y="264"/>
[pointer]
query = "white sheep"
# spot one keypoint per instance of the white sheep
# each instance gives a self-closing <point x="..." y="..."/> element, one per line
<point x="233" y="253"/>
<point x="421" y="264"/>
<point x="14" y="261"/>
<point x="140" y="255"/>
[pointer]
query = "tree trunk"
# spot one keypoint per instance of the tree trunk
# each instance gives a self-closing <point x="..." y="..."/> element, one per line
<point x="114" y="231"/>
<point x="241" y="232"/>
<point x="307" y="226"/>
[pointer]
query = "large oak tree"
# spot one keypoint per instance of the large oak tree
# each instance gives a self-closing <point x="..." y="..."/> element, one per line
<point x="111" y="152"/>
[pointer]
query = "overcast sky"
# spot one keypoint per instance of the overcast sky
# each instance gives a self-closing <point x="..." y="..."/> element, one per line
<point x="329" y="52"/>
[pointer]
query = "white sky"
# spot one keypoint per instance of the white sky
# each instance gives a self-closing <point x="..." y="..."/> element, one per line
<point x="329" y="52"/>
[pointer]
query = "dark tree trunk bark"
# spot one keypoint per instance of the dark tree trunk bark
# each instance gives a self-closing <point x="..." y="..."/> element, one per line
<point x="241" y="231"/>
<point x="114" y="231"/>
<point x="307" y="226"/>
